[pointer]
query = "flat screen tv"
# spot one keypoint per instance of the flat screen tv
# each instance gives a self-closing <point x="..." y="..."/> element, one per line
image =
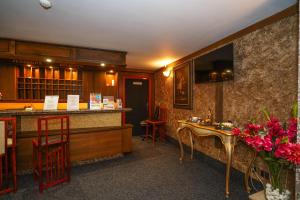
<point x="215" y="66"/>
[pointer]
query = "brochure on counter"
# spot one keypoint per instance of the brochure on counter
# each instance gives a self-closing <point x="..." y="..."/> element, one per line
<point x="95" y="101"/>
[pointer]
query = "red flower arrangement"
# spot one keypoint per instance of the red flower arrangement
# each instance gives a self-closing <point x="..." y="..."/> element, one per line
<point x="277" y="140"/>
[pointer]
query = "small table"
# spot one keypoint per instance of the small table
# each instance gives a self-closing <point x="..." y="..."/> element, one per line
<point x="227" y="138"/>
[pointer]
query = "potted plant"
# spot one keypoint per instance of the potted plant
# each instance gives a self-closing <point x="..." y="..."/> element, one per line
<point x="275" y="142"/>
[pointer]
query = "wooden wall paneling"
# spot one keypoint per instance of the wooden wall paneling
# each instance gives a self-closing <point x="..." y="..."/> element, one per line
<point x="95" y="145"/>
<point x="43" y="50"/>
<point x="93" y="55"/>
<point x="4" y="45"/>
<point x="8" y="82"/>
<point x="99" y="81"/>
<point x="127" y="139"/>
<point x="88" y="84"/>
<point x="33" y="51"/>
<point x="100" y="85"/>
<point x="7" y="47"/>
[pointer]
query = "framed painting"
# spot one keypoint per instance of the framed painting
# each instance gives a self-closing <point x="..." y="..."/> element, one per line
<point x="182" y="86"/>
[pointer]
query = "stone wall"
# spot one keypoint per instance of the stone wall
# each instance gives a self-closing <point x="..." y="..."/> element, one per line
<point x="265" y="74"/>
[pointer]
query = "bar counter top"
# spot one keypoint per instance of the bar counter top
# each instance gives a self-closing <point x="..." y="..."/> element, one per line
<point x="23" y="112"/>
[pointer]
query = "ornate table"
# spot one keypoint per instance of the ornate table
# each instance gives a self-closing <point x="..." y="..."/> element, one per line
<point x="227" y="138"/>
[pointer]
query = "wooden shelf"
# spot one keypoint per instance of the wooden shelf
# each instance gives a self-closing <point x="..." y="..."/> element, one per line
<point x="35" y="83"/>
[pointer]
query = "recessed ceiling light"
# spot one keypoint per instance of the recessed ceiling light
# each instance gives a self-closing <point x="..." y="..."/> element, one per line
<point x="111" y="71"/>
<point x="71" y="68"/>
<point x="28" y="65"/>
<point x="102" y="64"/>
<point x="50" y="67"/>
<point x="48" y="60"/>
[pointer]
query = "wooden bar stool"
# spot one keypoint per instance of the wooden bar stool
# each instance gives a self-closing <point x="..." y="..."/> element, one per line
<point x="157" y="125"/>
<point x="51" y="151"/>
<point x="8" y="180"/>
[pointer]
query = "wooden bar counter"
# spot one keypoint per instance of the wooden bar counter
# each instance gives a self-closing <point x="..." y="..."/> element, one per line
<point x="94" y="134"/>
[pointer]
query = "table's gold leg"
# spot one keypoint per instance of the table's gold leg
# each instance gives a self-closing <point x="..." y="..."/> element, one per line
<point x="192" y="144"/>
<point x="180" y="144"/>
<point x="229" y="147"/>
<point x="247" y="174"/>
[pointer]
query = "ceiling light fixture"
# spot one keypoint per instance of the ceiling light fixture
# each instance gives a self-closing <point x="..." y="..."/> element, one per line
<point x="48" y="60"/>
<point x="28" y="65"/>
<point x="46" y="4"/>
<point x="102" y="64"/>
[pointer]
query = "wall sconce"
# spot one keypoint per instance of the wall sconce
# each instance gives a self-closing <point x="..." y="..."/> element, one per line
<point x="110" y="78"/>
<point x="166" y="72"/>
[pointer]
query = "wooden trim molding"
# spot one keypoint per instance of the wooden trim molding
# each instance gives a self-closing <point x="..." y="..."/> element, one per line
<point x="135" y="70"/>
<point x="290" y="11"/>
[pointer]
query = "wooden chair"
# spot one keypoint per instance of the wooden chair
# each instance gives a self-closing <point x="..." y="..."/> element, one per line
<point x="157" y="124"/>
<point x="51" y="152"/>
<point x="8" y="180"/>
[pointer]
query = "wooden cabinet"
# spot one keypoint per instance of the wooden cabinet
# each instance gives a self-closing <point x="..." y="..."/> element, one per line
<point x="17" y="81"/>
<point x="36" y="82"/>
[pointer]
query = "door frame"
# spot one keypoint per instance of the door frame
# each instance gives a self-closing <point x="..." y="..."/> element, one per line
<point x="141" y="77"/>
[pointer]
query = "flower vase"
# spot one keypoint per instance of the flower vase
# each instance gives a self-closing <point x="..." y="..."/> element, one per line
<point x="275" y="190"/>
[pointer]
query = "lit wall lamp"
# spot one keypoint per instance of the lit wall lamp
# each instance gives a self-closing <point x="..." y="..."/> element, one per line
<point x="166" y="72"/>
<point x="110" y="77"/>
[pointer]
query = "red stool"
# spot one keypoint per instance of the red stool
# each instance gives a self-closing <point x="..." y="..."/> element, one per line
<point x="158" y="124"/>
<point x="8" y="145"/>
<point x="51" y="152"/>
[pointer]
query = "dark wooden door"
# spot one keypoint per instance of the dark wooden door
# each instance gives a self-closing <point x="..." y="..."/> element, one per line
<point x="136" y="97"/>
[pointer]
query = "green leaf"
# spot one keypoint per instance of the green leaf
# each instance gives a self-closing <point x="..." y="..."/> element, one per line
<point x="266" y="113"/>
<point x="294" y="112"/>
<point x="284" y="140"/>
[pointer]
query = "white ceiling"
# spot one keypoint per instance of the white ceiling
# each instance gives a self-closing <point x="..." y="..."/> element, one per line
<point x="149" y="30"/>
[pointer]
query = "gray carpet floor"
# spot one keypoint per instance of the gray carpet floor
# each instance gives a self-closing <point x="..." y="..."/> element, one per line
<point x="149" y="173"/>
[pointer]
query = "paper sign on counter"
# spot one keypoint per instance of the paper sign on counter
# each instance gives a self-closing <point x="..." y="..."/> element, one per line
<point x="73" y="102"/>
<point x="51" y="102"/>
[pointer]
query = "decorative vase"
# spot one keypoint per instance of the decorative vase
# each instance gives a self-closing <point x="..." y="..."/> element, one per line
<point x="275" y="190"/>
<point x="274" y="194"/>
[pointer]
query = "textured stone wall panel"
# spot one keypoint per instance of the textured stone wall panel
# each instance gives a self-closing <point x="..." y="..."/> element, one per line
<point x="265" y="72"/>
<point x="265" y="75"/>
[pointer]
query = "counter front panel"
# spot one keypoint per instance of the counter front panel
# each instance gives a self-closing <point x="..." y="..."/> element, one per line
<point x="93" y="134"/>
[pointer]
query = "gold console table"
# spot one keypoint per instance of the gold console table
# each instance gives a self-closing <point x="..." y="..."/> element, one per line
<point x="227" y="138"/>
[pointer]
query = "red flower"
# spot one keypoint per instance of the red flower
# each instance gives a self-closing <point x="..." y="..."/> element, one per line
<point x="292" y="129"/>
<point x="236" y="131"/>
<point x="283" y="151"/>
<point x="294" y="157"/>
<point x="268" y="145"/>
<point x="273" y="138"/>
<point x="256" y="142"/>
<point x="254" y="128"/>
<point x="275" y="128"/>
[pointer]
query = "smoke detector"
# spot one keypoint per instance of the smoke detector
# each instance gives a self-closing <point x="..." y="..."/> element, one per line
<point x="46" y="4"/>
